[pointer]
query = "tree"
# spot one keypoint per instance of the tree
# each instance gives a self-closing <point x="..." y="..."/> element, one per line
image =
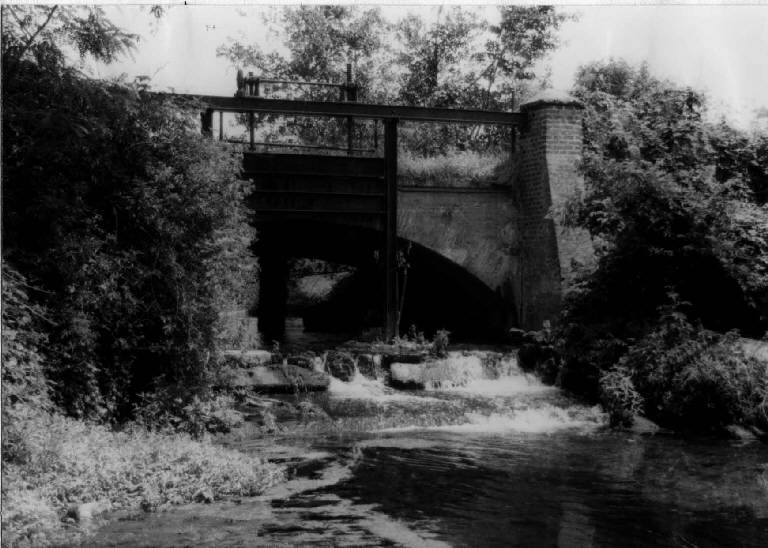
<point x="118" y="212"/>
<point x="524" y="37"/>
<point x="320" y="40"/>
<point x="414" y="62"/>
<point x="40" y="32"/>
<point x="432" y="57"/>
<point x="438" y="58"/>
<point x="670" y="206"/>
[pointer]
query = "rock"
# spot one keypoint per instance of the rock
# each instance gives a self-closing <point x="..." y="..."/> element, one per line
<point x="736" y="432"/>
<point x="369" y="365"/>
<point x="340" y="365"/>
<point x="456" y="369"/>
<point x="547" y="370"/>
<point x="204" y="494"/>
<point x="643" y="426"/>
<point x="246" y="358"/>
<point x="408" y="375"/>
<point x="84" y="513"/>
<point x="280" y="378"/>
<point x="515" y="336"/>
<point x="307" y="361"/>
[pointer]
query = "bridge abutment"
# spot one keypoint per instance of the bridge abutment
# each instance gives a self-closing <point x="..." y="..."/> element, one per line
<point x="550" y="148"/>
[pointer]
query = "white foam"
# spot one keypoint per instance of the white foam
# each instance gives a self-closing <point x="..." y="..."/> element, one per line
<point x="362" y="388"/>
<point x="503" y="386"/>
<point x="544" y="418"/>
<point x="468" y="376"/>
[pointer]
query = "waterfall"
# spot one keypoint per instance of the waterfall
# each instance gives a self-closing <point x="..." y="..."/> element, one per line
<point x="471" y="391"/>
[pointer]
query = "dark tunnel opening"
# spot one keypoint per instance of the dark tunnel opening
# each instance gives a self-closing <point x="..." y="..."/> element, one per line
<point x="436" y="293"/>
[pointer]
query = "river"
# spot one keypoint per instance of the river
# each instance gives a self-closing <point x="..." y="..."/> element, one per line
<point x="505" y="462"/>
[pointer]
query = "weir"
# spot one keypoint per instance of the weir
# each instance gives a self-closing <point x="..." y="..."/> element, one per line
<point x="515" y="258"/>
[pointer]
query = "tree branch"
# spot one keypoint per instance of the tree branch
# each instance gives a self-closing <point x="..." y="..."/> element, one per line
<point x="38" y="31"/>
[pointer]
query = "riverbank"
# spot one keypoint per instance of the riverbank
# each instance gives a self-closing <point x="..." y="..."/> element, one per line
<point x="61" y="474"/>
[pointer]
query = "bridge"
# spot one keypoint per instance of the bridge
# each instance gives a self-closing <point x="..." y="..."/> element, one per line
<point x="487" y="252"/>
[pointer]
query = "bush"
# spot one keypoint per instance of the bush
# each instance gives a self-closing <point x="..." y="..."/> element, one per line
<point x="132" y="226"/>
<point x="675" y="206"/>
<point x="166" y="410"/>
<point x="695" y="379"/>
<point x="619" y="397"/>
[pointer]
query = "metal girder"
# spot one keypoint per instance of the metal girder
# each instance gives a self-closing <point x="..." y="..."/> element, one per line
<point x="358" y="110"/>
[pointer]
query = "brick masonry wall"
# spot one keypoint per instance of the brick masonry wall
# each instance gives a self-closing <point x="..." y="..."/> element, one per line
<point x="550" y="147"/>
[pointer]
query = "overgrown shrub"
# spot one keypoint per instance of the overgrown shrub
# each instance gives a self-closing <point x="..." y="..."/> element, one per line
<point x="131" y="225"/>
<point x="695" y="379"/>
<point x="674" y="205"/>
<point x="167" y="410"/>
<point x="619" y="397"/>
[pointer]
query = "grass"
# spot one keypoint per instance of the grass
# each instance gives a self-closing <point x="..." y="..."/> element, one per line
<point x="459" y="168"/>
<point x="52" y="464"/>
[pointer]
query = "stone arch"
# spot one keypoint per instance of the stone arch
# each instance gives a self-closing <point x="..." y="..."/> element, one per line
<point x="439" y="293"/>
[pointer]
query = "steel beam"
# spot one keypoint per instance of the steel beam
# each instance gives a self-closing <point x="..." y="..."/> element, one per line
<point x="358" y="110"/>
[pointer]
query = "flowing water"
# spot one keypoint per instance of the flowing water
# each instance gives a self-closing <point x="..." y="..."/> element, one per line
<point x="476" y="462"/>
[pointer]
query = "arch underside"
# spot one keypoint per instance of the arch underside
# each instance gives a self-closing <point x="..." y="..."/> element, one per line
<point x="438" y="293"/>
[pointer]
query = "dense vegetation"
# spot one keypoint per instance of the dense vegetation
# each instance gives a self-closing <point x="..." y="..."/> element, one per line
<point x="124" y="235"/>
<point x="127" y="225"/>
<point x="677" y="208"/>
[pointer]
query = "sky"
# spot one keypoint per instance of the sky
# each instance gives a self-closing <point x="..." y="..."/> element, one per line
<point x="720" y="49"/>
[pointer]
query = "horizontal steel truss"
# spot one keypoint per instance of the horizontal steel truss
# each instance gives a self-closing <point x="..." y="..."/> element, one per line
<point x="357" y="110"/>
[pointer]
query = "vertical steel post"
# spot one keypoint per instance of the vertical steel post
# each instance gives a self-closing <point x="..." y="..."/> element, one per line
<point x="221" y="125"/>
<point x="251" y="135"/>
<point x="350" y="121"/>
<point x="390" y="229"/>
<point x="255" y="91"/>
<point x="206" y="122"/>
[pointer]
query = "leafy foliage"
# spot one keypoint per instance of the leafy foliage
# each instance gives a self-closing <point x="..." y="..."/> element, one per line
<point x="619" y="396"/>
<point x="410" y="62"/>
<point x="672" y="202"/>
<point x="131" y="224"/>
<point x="692" y="378"/>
